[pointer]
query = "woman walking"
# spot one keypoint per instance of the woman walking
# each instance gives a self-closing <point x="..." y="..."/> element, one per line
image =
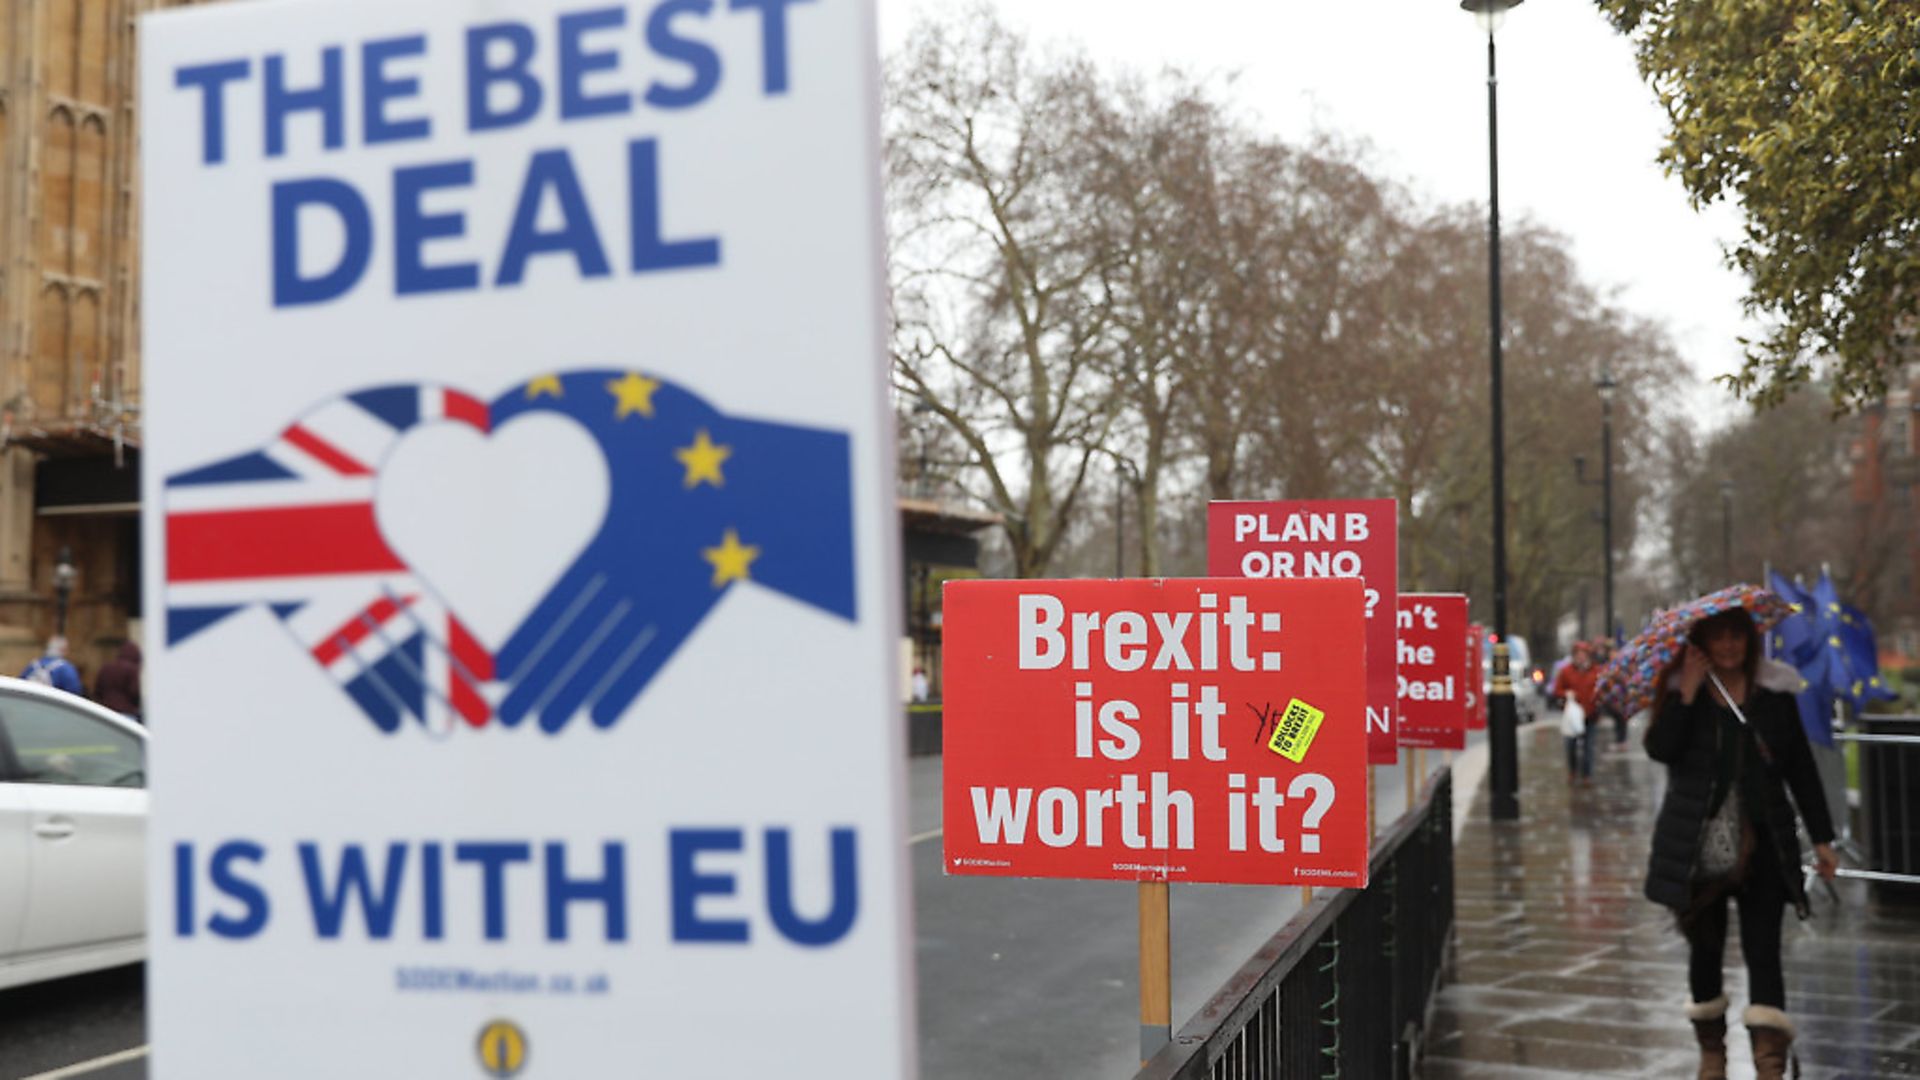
<point x="1733" y="748"/>
<point x="1602" y="656"/>
<point x="1575" y="683"/>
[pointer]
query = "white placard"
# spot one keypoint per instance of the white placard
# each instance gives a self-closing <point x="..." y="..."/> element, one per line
<point x="519" y="532"/>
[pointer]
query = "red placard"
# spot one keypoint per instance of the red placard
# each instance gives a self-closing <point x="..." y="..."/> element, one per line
<point x="1476" y="680"/>
<point x="1432" y="651"/>
<point x="1345" y="538"/>
<point x="1128" y="729"/>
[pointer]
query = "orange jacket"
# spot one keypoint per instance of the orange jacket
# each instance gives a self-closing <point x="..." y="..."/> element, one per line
<point x="1577" y="684"/>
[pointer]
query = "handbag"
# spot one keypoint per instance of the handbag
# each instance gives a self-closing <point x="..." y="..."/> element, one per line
<point x="1721" y="839"/>
<point x="1573" y="718"/>
<point x="1725" y="840"/>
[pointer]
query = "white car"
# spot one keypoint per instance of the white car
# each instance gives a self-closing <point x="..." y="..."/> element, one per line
<point x="73" y="829"/>
<point x="1529" y="695"/>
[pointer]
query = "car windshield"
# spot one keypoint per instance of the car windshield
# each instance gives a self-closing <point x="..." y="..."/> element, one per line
<point x="57" y="745"/>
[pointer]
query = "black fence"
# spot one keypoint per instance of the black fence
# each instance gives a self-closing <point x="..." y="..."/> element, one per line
<point x="1342" y="990"/>
<point x="1890" y="796"/>
<point x="924" y="729"/>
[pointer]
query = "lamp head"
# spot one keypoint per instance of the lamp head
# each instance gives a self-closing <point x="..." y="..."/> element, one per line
<point x="1606" y="384"/>
<point x="1489" y="13"/>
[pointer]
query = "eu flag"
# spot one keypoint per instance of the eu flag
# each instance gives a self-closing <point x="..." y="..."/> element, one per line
<point x="1832" y="646"/>
<point x="1793" y="638"/>
<point x="1862" y="655"/>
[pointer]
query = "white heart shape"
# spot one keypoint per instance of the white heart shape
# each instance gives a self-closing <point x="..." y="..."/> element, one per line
<point x="490" y="522"/>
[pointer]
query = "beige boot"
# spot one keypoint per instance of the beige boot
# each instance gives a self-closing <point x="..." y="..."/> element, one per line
<point x="1772" y="1034"/>
<point x="1710" y="1027"/>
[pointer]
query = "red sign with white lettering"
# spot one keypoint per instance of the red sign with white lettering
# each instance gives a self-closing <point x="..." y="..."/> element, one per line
<point x="1476" y="679"/>
<point x="1149" y="730"/>
<point x="1432" y="650"/>
<point x="1347" y="538"/>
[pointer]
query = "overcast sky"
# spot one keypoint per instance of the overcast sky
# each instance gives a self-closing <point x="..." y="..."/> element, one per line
<point x="1578" y="128"/>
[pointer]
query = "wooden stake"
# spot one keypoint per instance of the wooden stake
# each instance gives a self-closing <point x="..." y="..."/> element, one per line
<point x="1156" y="969"/>
<point x="1373" y="824"/>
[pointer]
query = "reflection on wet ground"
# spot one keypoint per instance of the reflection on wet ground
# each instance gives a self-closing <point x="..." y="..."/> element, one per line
<point x="1563" y="968"/>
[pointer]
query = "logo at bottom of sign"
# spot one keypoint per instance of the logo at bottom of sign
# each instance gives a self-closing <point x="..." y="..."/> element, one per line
<point x="502" y="1048"/>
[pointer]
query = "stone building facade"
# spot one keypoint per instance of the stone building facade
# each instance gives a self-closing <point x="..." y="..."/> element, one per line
<point x="69" y="323"/>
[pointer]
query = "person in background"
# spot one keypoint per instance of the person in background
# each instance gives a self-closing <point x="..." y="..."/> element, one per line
<point x="1553" y="677"/>
<point x="118" y="684"/>
<point x="54" y="669"/>
<point x="1602" y="656"/>
<point x="1732" y="748"/>
<point x="921" y="687"/>
<point x="1575" y="684"/>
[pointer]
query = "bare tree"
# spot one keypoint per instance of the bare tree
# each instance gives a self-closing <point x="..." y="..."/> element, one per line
<point x="1090" y="268"/>
<point x="1185" y="223"/>
<point x="1786" y="502"/>
<point x="1000" y="324"/>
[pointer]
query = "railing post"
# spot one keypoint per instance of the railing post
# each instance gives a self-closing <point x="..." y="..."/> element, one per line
<point x="1343" y="989"/>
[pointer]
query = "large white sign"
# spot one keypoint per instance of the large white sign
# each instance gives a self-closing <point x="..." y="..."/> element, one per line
<point x="517" y="528"/>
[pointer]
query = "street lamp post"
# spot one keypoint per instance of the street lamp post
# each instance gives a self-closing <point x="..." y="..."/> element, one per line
<point x="64" y="574"/>
<point x="923" y="421"/>
<point x="1605" y="384"/>
<point x="1726" y="531"/>
<point x="1504" y="760"/>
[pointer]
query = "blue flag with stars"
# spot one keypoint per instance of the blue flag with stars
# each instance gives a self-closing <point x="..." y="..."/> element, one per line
<point x="1832" y="645"/>
<point x="1861" y="654"/>
<point x="1793" y="637"/>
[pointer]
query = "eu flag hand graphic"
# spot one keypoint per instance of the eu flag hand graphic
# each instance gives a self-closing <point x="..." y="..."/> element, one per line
<point x="700" y="502"/>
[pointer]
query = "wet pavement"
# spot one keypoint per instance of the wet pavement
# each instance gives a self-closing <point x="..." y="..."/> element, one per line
<point x="1563" y="968"/>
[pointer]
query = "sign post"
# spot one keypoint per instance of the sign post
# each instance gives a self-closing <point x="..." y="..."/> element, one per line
<point x="519" y="525"/>
<point x="1156" y="967"/>
<point x="1476" y="687"/>
<point x="1156" y="731"/>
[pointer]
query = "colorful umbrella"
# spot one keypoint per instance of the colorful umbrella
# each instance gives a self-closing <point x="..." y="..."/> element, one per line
<point x="1628" y="682"/>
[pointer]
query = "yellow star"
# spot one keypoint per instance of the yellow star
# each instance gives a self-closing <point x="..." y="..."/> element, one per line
<point x="703" y="459"/>
<point x="633" y="394"/>
<point x="543" y="384"/>
<point x="731" y="559"/>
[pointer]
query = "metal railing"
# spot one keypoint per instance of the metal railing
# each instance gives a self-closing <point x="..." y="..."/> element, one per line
<point x="1342" y="990"/>
<point x="1889" y="765"/>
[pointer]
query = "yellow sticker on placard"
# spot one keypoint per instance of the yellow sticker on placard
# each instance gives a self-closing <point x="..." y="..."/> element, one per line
<point x="1295" y="731"/>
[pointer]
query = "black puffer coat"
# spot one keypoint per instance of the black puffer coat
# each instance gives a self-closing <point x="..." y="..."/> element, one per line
<point x="1687" y="739"/>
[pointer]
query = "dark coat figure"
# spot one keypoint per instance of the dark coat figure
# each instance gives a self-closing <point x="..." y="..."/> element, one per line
<point x="1694" y="741"/>
<point x="1726" y="830"/>
<point x="118" y="685"/>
